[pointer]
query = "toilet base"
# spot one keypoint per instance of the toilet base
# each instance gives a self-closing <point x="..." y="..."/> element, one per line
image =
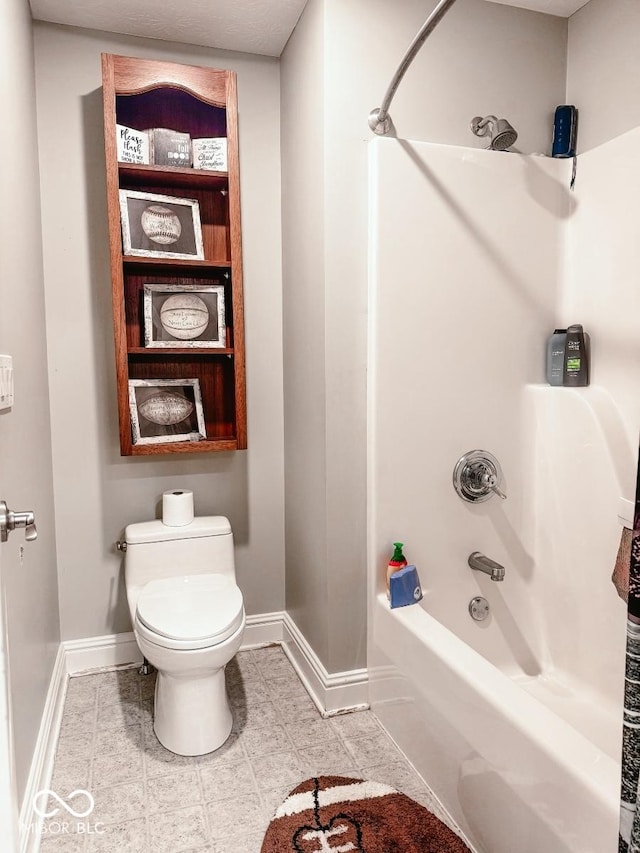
<point x="191" y="710"/>
<point x="192" y="715"/>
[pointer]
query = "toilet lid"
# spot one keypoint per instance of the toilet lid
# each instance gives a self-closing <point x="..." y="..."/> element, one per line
<point x="192" y="607"/>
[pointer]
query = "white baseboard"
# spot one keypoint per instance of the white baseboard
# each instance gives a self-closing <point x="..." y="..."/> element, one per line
<point x="333" y="693"/>
<point x="101" y="652"/>
<point x="113" y="650"/>
<point x="263" y="629"/>
<point x="44" y="753"/>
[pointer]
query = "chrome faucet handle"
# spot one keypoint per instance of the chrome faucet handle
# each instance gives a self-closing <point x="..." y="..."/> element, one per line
<point x="477" y="476"/>
<point x="490" y="480"/>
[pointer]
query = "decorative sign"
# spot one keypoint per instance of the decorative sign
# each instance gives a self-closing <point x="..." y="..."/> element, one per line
<point x="170" y="147"/>
<point x="133" y="145"/>
<point x="210" y="154"/>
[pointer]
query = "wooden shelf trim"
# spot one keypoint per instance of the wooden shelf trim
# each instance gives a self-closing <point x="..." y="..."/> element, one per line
<point x="185" y="447"/>
<point x="133" y="76"/>
<point x="171" y="351"/>
<point x="173" y="176"/>
<point x="172" y="263"/>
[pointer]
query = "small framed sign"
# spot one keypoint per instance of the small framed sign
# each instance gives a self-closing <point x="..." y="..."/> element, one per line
<point x="166" y="410"/>
<point x="210" y="153"/>
<point x="160" y="226"/>
<point x="169" y="147"/>
<point x="132" y="145"/>
<point x="184" y="316"/>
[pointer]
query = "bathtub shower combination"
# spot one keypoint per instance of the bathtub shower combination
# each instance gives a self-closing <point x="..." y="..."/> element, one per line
<point x="515" y="719"/>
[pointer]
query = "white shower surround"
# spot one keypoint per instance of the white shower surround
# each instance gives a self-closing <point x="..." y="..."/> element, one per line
<point x="475" y="257"/>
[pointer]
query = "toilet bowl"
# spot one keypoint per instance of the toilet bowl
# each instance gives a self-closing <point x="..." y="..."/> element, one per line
<point x="188" y="619"/>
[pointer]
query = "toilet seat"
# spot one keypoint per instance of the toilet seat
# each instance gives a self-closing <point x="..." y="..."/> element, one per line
<point x="190" y="611"/>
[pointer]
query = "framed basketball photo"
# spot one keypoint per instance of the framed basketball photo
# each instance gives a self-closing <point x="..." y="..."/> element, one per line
<point x="160" y="226"/>
<point x="183" y="316"/>
<point x="166" y="410"/>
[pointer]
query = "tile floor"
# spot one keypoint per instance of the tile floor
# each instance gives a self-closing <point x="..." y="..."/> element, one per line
<point x="149" y="800"/>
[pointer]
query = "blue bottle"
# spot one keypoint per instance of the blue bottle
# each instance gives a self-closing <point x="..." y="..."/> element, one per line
<point x="404" y="587"/>
<point x="565" y="129"/>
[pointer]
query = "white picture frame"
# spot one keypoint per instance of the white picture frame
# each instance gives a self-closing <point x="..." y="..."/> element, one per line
<point x="166" y="410"/>
<point x="170" y="325"/>
<point x="160" y="226"/>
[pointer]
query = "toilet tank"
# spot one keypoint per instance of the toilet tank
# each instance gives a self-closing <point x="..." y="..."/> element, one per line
<point x="156" y="551"/>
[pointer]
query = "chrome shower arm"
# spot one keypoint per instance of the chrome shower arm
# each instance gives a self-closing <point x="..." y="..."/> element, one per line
<point x="483" y="126"/>
<point x="379" y="119"/>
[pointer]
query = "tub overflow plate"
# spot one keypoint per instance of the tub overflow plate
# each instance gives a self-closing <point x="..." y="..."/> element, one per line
<point x="479" y="608"/>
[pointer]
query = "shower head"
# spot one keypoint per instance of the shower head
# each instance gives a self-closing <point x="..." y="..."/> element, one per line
<point x="502" y="134"/>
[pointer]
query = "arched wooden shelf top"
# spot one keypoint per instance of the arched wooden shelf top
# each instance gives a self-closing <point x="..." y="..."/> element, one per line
<point x="134" y="77"/>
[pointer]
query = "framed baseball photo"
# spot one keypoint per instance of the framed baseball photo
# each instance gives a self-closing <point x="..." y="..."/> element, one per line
<point x="166" y="410"/>
<point x="183" y="316"/>
<point x="160" y="226"/>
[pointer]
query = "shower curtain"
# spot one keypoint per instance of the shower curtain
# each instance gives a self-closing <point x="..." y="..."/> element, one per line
<point x="629" y="840"/>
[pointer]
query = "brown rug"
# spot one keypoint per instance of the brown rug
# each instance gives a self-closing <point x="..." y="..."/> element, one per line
<point x="333" y="814"/>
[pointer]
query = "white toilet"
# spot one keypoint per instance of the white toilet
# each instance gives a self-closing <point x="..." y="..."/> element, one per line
<point x="188" y="618"/>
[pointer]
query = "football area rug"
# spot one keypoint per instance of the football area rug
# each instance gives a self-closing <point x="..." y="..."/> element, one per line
<point x="333" y="814"/>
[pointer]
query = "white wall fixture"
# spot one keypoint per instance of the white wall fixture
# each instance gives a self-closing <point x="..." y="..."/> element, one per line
<point x="6" y="382"/>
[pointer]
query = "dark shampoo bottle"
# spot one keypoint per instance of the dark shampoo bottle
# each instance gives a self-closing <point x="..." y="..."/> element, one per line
<point x="576" y="358"/>
<point x="555" y="357"/>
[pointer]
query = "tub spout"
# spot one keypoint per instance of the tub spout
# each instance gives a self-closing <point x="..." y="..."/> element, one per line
<point x="481" y="563"/>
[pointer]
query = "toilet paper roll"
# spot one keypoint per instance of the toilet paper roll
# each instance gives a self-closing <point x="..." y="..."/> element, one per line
<point x="177" y="507"/>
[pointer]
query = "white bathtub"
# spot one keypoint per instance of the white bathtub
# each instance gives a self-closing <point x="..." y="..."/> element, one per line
<point x="506" y="757"/>
<point x="514" y="722"/>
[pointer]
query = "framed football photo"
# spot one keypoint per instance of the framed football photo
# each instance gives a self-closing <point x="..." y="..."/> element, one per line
<point x="182" y="316"/>
<point x="160" y="226"/>
<point x="164" y="410"/>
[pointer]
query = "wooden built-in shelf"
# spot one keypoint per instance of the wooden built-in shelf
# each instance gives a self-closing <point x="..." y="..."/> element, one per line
<point x="146" y="94"/>
<point x="171" y="176"/>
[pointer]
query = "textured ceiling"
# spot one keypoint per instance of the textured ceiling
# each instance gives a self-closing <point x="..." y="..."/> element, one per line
<point x="252" y="26"/>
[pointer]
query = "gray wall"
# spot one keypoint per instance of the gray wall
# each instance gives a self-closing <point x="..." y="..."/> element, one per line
<point x="28" y="576"/>
<point x="603" y="70"/>
<point x="303" y="210"/>
<point x="98" y="492"/>
<point x="483" y="58"/>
